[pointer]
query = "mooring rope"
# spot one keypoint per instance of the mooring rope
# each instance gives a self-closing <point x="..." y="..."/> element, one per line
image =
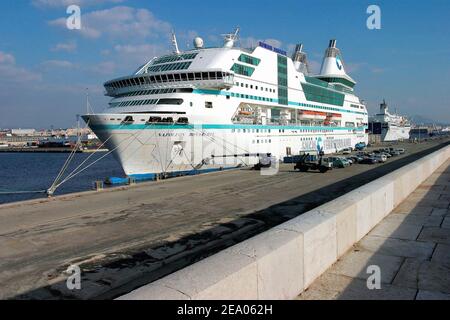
<point x="11" y="192"/>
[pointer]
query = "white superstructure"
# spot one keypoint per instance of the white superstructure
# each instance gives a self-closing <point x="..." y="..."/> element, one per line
<point x="212" y="108"/>
<point x="390" y="126"/>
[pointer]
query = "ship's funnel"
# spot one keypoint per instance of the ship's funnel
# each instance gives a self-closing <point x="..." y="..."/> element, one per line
<point x="332" y="63"/>
<point x="299" y="59"/>
<point x="332" y="69"/>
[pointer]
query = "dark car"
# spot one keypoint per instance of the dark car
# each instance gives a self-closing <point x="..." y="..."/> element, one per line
<point x="356" y="159"/>
<point x="368" y="161"/>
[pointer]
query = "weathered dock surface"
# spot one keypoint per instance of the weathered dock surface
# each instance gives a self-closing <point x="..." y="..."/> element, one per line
<point x="125" y="238"/>
<point x="411" y="247"/>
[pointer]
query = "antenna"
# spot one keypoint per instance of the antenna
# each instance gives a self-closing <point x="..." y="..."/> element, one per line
<point x="88" y="104"/>
<point x="230" y="38"/>
<point x="236" y="32"/>
<point x="175" y="43"/>
<point x="87" y="100"/>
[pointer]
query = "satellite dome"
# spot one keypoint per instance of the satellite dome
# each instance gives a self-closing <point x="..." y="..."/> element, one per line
<point x="198" y="42"/>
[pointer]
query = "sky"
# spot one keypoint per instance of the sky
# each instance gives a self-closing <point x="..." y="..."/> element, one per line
<point x="46" y="69"/>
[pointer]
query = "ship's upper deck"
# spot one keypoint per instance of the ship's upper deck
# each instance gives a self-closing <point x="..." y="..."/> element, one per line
<point x="237" y="72"/>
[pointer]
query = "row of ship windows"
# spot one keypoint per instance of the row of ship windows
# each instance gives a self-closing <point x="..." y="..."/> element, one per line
<point x="246" y="85"/>
<point x="323" y="95"/>
<point x="249" y="59"/>
<point x="279" y="131"/>
<point x="162" y="78"/>
<point x="170" y="67"/>
<point x="246" y="96"/>
<point x="175" y="57"/>
<point x="242" y="70"/>
<point x="356" y="106"/>
<point x="154" y="91"/>
<point x="262" y="141"/>
<point x="207" y="104"/>
<point x="147" y="92"/>
<point x="146" y="102"/>
<point x="323" y="99"/>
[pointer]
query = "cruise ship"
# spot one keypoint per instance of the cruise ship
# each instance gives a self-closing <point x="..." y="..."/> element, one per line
<point x="211" y="108"/>
<point x="391" y="127"/>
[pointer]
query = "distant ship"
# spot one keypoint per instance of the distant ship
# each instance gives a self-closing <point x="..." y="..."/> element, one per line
<point x="215" y="107"/>
<point x="391" y="127"/>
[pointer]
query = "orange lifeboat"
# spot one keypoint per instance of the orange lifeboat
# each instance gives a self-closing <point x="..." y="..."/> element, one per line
<point x="313" y="115"/>
<point x="334" y="117"/>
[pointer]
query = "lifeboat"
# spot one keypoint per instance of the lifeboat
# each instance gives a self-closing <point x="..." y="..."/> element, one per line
<point x="313" y="115"/>
<point x="244" y="113"/>
<point x="334" y="116"/>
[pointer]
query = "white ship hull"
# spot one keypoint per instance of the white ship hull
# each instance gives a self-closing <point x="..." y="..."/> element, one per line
<point x="145" y="150"/>
<point x="395" y="133"/>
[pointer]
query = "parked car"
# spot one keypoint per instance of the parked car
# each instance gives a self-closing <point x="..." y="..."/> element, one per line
<point x="401" y="150"/>
<point x="346" y="151"/>
<point x="369" y="161"/>
<point x="380" y="157"/>
<point x="346" y="161"/>
<point x="360" y="146"/>
<point x="339" y="162"/>
<point x="356" y="159"/>
<point x="395" y="153"/>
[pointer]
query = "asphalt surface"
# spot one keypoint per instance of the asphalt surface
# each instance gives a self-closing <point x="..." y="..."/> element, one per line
<point x="125" y="238"/>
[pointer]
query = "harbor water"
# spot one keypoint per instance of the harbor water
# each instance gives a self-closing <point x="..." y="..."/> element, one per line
<point x="37" y="171"/>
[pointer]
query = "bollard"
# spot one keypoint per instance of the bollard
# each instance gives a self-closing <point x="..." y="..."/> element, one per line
<point x="98" y="185"/>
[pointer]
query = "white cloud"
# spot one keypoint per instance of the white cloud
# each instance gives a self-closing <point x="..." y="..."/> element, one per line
<point x="104" y="68"/>
<point x="378" y="70"/>
<point x="120" y="22"/>
<point x="353" y="67"/>
<point x="66" y="3"/>
<point x="70" y="46"/>
<point x="136" y="55"/>
<point x="10" y="72"/>
<point x="6" y="58"/>
<point x="248" y="42"/>
<point x="58" y="64"/>
<point x="314" y="66"/>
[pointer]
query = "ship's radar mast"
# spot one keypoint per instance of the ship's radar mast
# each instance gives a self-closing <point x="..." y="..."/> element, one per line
<point x="383" y="106"/>
<point x="231" y="38"/>
<point x="175" y="43"/>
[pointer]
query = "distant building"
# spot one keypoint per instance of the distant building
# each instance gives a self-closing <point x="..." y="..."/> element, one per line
<point x="23" y="132"/>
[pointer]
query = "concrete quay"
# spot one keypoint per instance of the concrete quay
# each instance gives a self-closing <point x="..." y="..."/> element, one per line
<point x="125" y="238"/>
<point x="286" y="260"/>
<point x="411" y="246"/>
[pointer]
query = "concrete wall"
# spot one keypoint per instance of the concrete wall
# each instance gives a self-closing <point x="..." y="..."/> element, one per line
<point x="282" y="262"/>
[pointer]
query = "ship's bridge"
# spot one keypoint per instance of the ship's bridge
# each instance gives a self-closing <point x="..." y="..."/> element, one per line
<point x="211" y="78"/>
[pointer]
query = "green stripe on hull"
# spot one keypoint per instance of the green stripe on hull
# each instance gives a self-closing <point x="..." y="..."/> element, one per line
<point x="275" y="100"/>
<point x="213" y="126"/>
